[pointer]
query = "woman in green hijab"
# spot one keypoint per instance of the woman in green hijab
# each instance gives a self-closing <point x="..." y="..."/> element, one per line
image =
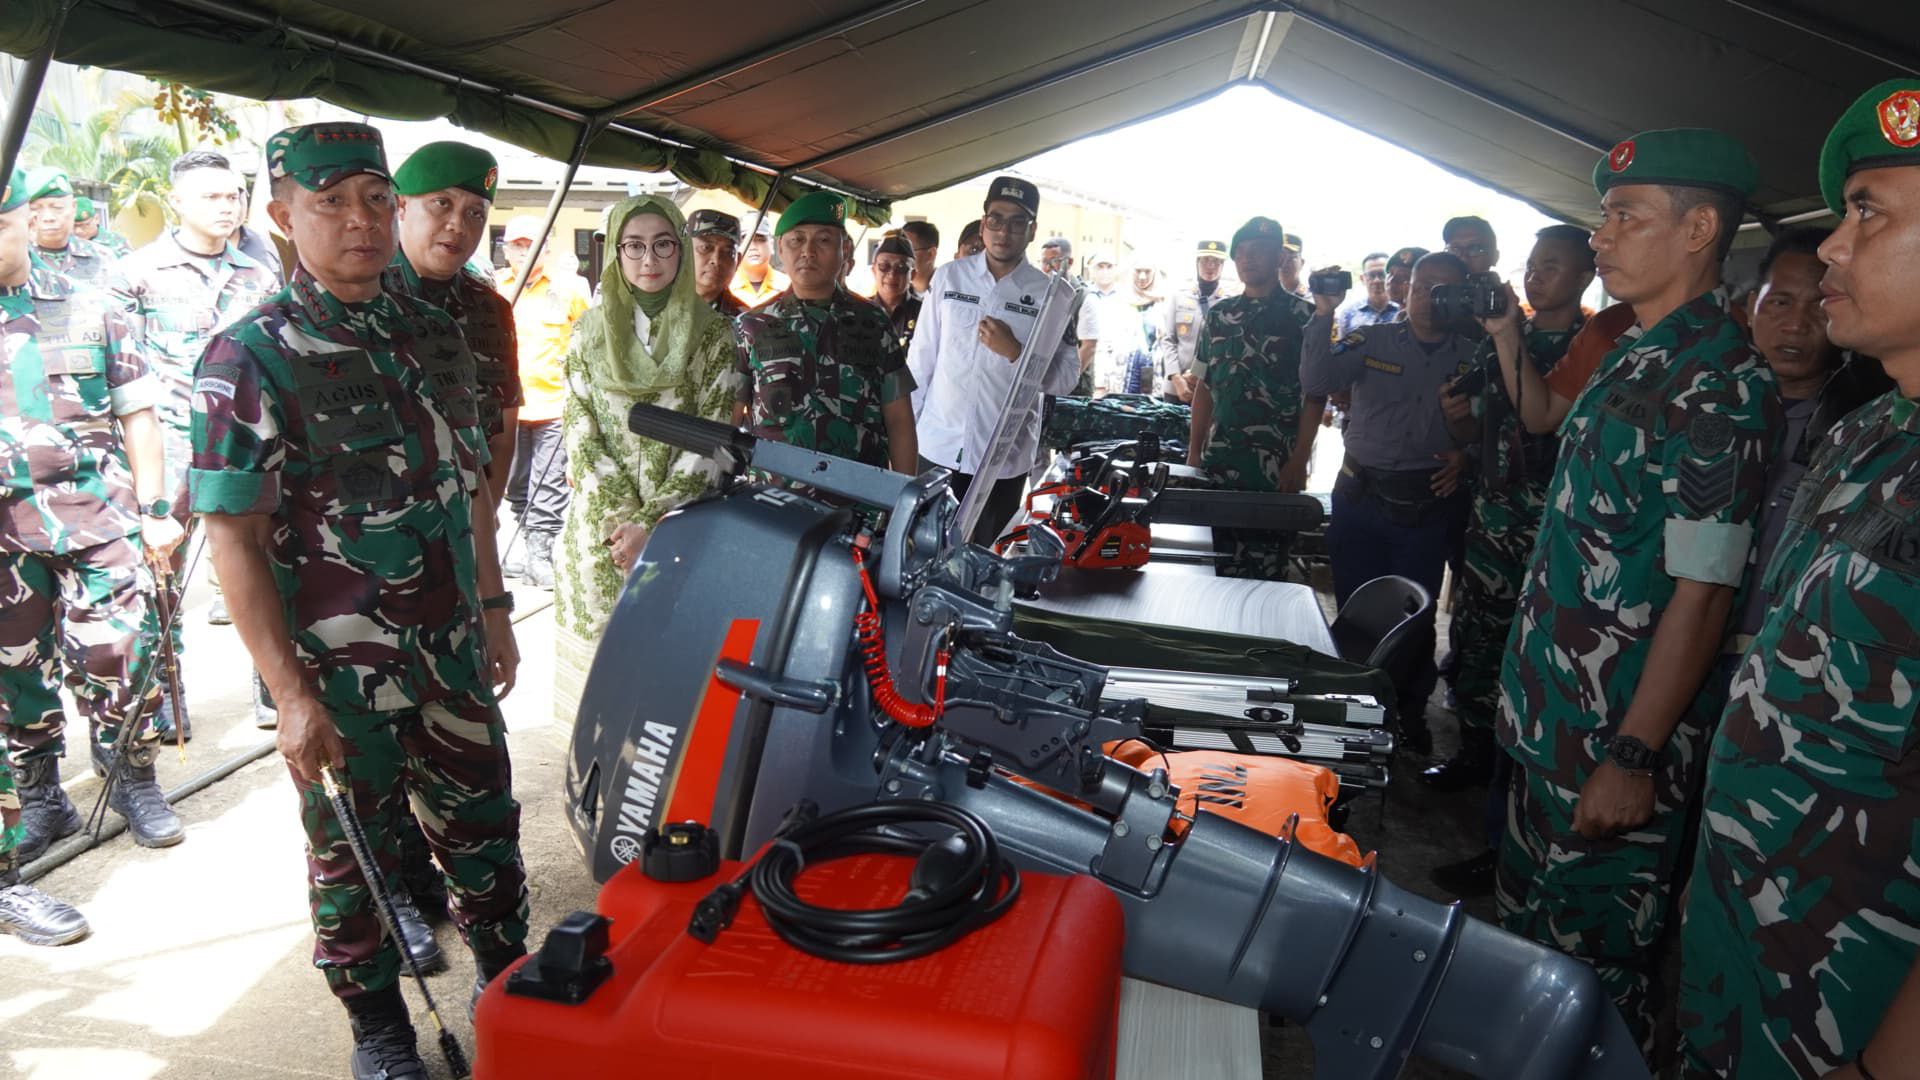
<point x="651" y="339"/>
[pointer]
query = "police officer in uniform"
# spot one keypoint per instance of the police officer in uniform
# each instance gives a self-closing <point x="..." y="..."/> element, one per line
<point x="1650" y="517"/>
<point x="174" y="293"/>
<point x="1183" y="316"/>
<point x="50" y="195"/>
<point x="826" y="369"/>
<point x="1252" y="428"/>
<point x="83" y="502"/>
<point x="892" y="286"/>
<point x="340" y="466"/>
<point x="715" y="236"/>
<point x="1803" y="918"/>
<point x="1393" y="503"/>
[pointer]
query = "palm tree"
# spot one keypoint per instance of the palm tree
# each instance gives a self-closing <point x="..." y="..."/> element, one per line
<point x="108" y="146"/>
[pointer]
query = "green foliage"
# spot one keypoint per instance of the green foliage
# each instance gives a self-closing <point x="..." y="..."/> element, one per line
<point x="111" y="146"/>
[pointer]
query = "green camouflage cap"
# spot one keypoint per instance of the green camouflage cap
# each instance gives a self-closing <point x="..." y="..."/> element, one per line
<point x="1679" y="157"/>
<point x="813" y="208"/>
<point x="47" y="181"/>
<point x="317" y="156"/>
<point x="438" y="166"/>
<point x="1881" y="130"/>
<point x="711" y="222"/>
<point x="14" y="195"/>
<point x="82" y="208"/>
<point x="1258" y="228"/>
<point x="1210" y="249"/>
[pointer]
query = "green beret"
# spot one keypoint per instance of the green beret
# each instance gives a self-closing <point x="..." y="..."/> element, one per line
<point x="813" y="208"/>
<point x="46" y="181"/>
<point x="1881" y="130"/>
<point x="82" y="208"/>
<point x="1211" y="249"/>
<point x="1679" y="157"/>
<point x="441" y="165"/>
<point x="317" y="156"/>
<point x="1259" y="228"/>
<point x="14" y="195"/>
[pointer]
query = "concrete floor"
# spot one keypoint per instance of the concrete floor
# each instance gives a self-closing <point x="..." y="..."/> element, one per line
<point x="198" y="965"/>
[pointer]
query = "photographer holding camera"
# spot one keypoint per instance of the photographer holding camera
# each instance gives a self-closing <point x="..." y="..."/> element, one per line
<point x="1396" y="498"/>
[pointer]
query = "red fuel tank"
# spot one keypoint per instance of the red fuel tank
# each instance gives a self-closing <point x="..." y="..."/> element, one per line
<point x="1034" y="994"/>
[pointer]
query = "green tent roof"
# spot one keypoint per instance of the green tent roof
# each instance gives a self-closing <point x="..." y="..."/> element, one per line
<point x="893" y="99"/>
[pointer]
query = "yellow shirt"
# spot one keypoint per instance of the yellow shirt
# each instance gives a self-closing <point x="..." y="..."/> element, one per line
<point x="770" y="286"/>
<point x="543" y="319"/>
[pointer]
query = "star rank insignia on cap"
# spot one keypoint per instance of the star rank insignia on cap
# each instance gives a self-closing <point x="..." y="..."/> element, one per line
<point x="1621" y="156"/>
<point x="1900" y="119"/>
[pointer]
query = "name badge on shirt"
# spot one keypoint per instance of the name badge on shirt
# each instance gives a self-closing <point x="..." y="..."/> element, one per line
<point x="1630" y="407"/>
<point x="965" y="298"/>
<point x="1383" y="366"/>
<point x="1022" y="309"/>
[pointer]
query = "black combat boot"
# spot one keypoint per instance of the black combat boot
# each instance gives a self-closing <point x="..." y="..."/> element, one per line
<point x="383" y="1041"/>
<point x="46" y="814"/>
<point x="33" y="916"/>
<point x="169" y="714"/>
<point x="540" y="560"/>
<point x="488" y="964"/>
<point x="136" y="796"/>
<point x="1471" y="767"/>
<point x="415" y="935"/>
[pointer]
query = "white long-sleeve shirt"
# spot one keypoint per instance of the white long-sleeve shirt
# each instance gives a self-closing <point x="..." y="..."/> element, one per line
<point x="963" y="384"/>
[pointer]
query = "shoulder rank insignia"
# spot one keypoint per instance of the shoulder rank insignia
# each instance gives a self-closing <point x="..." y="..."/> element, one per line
<point x="1352" y="340"/>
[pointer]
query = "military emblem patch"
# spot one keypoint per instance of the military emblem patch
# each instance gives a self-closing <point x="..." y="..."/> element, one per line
<point x="493" y="176"/>
<point x="1710" y="434"/>
<point x="1900" y="119"/>
<point x="1621" y="157"/>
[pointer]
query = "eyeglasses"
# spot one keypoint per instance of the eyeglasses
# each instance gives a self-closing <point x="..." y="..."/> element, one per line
<point x="891" y="268"/>
<point x="1374" y="275"/>
<point x="1468" y="251"/>
<point x="665" y="249"/>
<point x="1016" y="223"/>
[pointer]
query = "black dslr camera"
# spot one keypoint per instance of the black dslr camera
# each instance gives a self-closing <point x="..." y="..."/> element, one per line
<point x="1331" y="283"/>
<point x="1481" y="296"/>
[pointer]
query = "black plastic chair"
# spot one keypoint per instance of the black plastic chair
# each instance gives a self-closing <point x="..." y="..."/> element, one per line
<point x="1376" y="625"/>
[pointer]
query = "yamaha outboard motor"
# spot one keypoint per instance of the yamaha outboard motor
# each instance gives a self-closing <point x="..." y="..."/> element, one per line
<point x="829" y="642"/>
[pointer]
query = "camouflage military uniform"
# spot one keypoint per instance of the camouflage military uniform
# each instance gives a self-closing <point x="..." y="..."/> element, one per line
<point x="115" y="244"/>
<point x="486" y="321"/>
<point x="1804" y="916"/>
<point x="86" y="262"/>
<point x="73" y="589"/>
<point x="1515" y="470"/>
<point x="1248" y="357"/>
<point x="820" y="372"/>
<point x="1661" y="475"/>
<point x="355" y="427"/>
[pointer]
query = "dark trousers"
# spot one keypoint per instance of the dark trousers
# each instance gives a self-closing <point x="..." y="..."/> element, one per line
<point x="1363" y="543"/>
<point x="537" y="485"/>
<point x="1002" y="503"/>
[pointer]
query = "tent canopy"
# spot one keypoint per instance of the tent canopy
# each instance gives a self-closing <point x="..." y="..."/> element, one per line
<point x="887" y="100"/>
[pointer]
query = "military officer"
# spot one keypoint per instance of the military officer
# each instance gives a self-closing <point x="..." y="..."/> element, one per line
<point x="1396" y="497"/>
<point x="1515" y="467"/>
<point x="81" y="500"/>
<point x="1400" y="274"/>
<point x="1252" y="427"/>
<point x="174" y="293"/>
<point x="715" y="236"/>
<point x="1803" y="919"/>
<point x="1292" y="259"/>
<point x="339" y="464"/>
<point x="1183" y="316"/>
<point x="50" y="196"/>
<point x="1605" y="702"/>
<point x="443" y="193"/>
<point x="86" y="226"/>
<point x="825" y="369"/>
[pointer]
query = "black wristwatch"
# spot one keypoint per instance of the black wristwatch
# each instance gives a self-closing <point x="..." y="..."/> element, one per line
<point x="503" y="602"/>
<point x="158" y="508"/>
<point x="1631" y="754"/>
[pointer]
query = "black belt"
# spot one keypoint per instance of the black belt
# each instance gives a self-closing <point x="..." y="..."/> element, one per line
<point x="1406" y="495"/>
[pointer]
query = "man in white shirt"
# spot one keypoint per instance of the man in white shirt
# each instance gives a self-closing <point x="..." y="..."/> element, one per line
<point x="977" y="316"/>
